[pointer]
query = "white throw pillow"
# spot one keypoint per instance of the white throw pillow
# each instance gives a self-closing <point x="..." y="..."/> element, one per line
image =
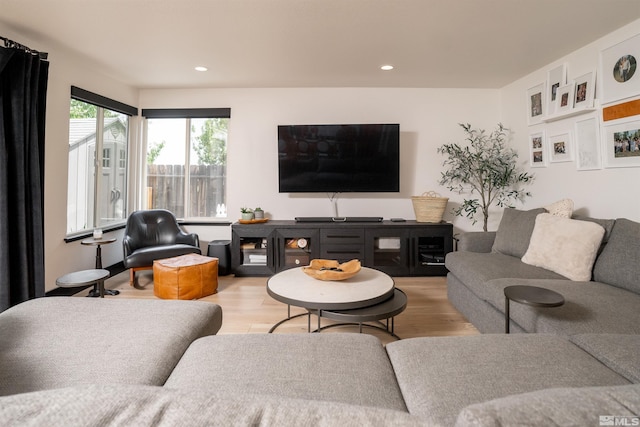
<point x="562" y="208"/>
<point x="564" y="246"/>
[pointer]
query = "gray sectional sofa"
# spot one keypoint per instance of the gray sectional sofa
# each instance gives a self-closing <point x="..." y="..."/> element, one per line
<point x="607" y="300"/>
<point x="109" y="362"/>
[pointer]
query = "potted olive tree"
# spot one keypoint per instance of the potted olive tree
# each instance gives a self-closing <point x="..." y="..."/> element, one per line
<point x="483" y="166"/>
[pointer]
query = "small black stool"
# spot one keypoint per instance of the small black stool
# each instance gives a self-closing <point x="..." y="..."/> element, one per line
<point x="221" y="249"/>
<point x="529" y="295"/>
<point x="83" y="278"/>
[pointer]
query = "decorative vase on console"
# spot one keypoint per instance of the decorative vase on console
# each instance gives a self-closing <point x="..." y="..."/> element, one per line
<point x="258" y="213"/>
<point x="246" y="214"/>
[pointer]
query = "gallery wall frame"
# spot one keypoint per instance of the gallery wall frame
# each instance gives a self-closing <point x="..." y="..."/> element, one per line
<point x="564" y="98"/>
<point x="536" y="104"/>
<point x="560" y="147"/>
<point x="537" y="151"/>
<point x="556" y="77"/>
<point x="585" y="90"/>
<point x="621" y="143"/>
<point x="619" y="70"/>
<point x="588" y="150"/>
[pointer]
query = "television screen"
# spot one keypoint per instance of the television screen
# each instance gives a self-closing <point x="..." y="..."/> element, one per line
<point x="339" y="158"/>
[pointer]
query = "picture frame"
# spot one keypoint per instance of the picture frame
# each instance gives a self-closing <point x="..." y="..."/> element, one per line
<point x="585" y="90"/>
<point x="619" y="70"/>
<point x="564" y="98"/>
<point x="556" y="77"/>
<point x="537" y="152"/>
<point x="621" y="143"/>
<point x="560" y="147"/>
<point x="588" y="152"/>
<point x="536" y="104"/>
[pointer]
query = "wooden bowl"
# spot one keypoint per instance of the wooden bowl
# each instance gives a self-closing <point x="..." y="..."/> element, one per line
<point x="327" y="269"/>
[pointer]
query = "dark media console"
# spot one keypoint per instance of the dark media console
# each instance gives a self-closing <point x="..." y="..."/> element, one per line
<point x="399" y="248"/>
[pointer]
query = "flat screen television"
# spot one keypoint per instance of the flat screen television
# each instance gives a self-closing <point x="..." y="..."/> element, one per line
<point x="339" y="158"/>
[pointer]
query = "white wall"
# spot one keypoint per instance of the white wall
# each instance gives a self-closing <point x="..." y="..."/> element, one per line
<point x="604" y="193"/>
<point x="427" y="117"/>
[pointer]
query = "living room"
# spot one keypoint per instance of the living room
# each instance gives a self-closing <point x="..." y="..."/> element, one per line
<point x="428" y="118"/>
<point x="151" y="361"/>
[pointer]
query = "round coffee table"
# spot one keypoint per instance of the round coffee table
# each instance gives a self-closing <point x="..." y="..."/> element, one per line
<point x="385" y="310"/>
<point x="529" y="295"/>
<point x="293" y="287"/>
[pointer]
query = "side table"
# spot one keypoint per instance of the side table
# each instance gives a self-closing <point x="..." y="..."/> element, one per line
<point x="529" y="295"/>
<point x="98" y="243"/>
<point x="84" y="277"/>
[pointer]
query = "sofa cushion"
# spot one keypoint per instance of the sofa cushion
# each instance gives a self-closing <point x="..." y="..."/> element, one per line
<point x="439" y="376"/>
<point x="618" y="263"/>
<point x="619" y="352"/>
<point x="587" y="406"/>
<point x="607" y="224"/>
<point x="128" y="405"/>
<point x="64" y="341"/>
<point x="348" y="368"/>
<point x="589" y="307"/>
<point x="514" y="231"/>
<point x="565" y="246"/>
<point x="474" y="269"/>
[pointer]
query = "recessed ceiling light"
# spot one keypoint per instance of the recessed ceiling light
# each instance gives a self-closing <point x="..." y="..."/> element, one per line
<point x="386" y="67"/>
<point x="201" y="68"/>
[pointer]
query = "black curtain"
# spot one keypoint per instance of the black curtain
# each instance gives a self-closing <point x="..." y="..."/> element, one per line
<point x="23" y="90"/>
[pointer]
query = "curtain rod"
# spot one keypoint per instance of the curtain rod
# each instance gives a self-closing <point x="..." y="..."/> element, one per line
<point x="11" y="44"/>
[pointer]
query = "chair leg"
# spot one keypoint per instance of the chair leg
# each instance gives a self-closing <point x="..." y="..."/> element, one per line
<point x="132" y="277"/>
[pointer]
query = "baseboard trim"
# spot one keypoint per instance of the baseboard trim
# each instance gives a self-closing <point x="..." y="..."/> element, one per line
<point x="67" y="292"/>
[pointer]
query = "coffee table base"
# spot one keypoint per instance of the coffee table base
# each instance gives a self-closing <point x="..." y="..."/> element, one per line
<point x="385" y="310"/>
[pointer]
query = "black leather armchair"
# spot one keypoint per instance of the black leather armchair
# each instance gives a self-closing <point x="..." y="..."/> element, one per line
<point x="154" y="234"/>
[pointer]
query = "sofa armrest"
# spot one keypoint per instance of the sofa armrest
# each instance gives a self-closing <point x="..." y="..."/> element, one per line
<point x="476" y="241"/>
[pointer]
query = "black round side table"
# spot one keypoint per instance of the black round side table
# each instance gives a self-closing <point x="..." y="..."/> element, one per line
<point x="529" y="295"/>
<point x="95" y="292"/>
<point x="84" y="277"/>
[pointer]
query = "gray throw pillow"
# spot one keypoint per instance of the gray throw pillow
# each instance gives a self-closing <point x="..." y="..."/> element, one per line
<point x="607" y="224"/>
<point x="618" y="263"/>
<point x="514" y="231"/>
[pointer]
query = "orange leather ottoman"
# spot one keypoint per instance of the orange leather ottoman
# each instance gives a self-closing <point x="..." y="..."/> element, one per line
<point x="190" y="276"/>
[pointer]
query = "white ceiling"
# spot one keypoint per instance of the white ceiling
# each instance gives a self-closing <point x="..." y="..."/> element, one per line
<point x="317" y="43"/>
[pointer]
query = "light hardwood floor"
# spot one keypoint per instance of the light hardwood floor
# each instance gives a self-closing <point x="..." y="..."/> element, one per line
<point x="247" y="308"/>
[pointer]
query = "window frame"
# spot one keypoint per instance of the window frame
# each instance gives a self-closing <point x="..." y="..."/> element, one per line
<point x="187" y="114"/>
<point x="103" y="103"/>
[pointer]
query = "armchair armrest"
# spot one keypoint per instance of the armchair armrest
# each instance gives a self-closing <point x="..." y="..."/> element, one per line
<point x="188" y="239"/>
<point x="476" y="241"/>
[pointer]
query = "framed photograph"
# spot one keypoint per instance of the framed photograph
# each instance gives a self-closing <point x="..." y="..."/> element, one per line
<point x="537" y="153"/>
<point x="560" y="148"/>
<point x="564" y="98"/>
<point x="536" y="104"/>
<point x="588" y="144"/>
<point x="556" y="78"/>
<point x="621" y="144"/>
<point x="585" y="90"/>
<point x="619" y="70"/>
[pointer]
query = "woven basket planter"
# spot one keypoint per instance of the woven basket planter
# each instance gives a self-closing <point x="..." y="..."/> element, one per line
<point x="429" y="207"/>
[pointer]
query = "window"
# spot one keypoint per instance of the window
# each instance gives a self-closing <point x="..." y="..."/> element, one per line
<point x="97" y="184"/>
<point x="186" y="161"/>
